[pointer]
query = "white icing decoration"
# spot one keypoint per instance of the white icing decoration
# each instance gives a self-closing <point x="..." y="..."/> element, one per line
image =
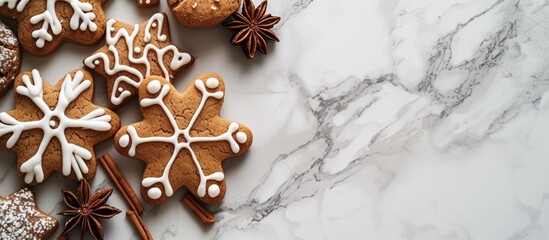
<point x="124" y="140"/>
<point x="212" y="83"/>
<point x="96" y="62"/>
<point x="120" y="89"/>
<point x="82" y="18"/>
<point x="186" y="144"/>
<point x="241" y="137"/>
<point x="154" y="86"/>
<point x="13" y="4"/>
<point x="152" y="23"/>
<point x="73" y="156"/>
<point x="154" y="193"/>
<point x="213" y="190"/>
<point x="136" y="50"/>
<point x="132" y="76"/>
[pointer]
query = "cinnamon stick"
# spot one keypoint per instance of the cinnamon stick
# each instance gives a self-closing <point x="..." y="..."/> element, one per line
<point x="139" y="225"/>
<point x="199" y="211"/>
<point x="62" y="237"/>
<point x="121" y="183"/>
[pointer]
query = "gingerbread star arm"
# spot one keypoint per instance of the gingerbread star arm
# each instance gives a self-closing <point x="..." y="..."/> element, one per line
<point x="30" y="87"/>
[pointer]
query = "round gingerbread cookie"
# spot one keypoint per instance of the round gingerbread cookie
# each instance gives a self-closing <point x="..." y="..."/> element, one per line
<point x="202" y="13"/>
<point x="10" y="58"/>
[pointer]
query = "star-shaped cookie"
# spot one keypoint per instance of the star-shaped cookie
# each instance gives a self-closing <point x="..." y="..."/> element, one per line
<point x="182" y="139"/>
<point x="54" y="128"/>
<point x="45" y="24"/>
<point x="20" y="218"/>
<point x="134" y="52"/>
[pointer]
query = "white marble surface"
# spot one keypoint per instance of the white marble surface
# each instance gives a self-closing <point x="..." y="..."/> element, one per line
<point x="372" y="119"/>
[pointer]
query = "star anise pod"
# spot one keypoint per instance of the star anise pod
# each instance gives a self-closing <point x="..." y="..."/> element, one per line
<point x="85" y="210"/>
<point x="254" y="28"/>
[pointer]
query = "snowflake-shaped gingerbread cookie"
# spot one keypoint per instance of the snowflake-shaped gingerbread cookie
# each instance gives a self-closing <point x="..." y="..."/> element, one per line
<point x="54" y="128"/>
<point x="182" y="139"/>
<point x="45" y="24"/>
<point x="134" y="52"/>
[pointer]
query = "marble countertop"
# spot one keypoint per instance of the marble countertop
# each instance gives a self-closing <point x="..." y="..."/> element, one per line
<point x="372" y="119"/>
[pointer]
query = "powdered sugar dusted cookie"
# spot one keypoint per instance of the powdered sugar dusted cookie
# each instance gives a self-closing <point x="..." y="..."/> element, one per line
<point x="182" y="139"/>
<point x="45" y="24"/>
<point x="20" y="218"/>
<point x="54" y="128"/>
<point x="134" y="52"/>
<point x="10" y="58"/>
<point x="202" y="13"/>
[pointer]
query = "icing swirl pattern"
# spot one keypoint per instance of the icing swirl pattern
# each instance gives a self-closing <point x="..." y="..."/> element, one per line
<point x="131" y="51"/>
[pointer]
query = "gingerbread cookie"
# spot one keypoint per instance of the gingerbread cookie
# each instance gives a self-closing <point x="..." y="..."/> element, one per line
<point x="21" y="219"/>
<point x="147" y="3"/>
<point x="45" y="24"/>
<point x="10" y="58"/>
<point x="54" y="128"/>
<point x="202" y="13"/>
<point x="134" y="52"/>
<point x="182" y="139"/>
